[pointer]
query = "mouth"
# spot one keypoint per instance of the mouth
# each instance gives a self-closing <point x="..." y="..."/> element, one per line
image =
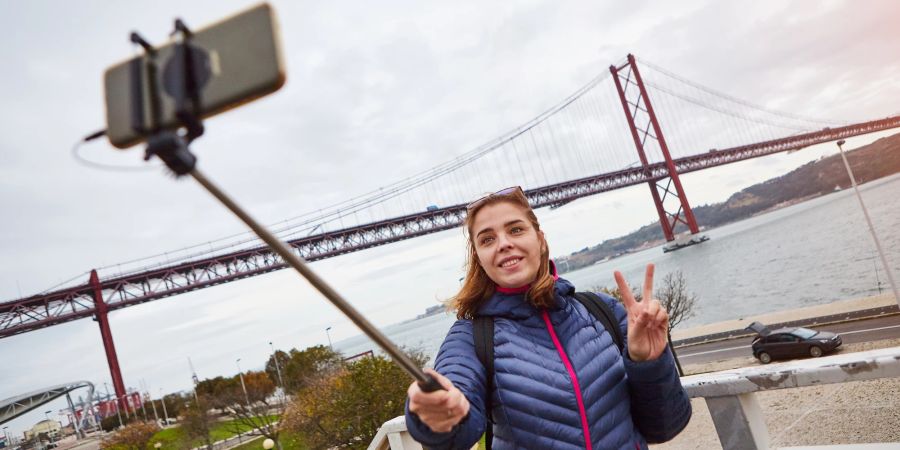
<point x="510" y="261"/>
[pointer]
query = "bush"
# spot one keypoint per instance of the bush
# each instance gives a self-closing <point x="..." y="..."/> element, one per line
<point x="134" y="436"/>
<point x="347" y="408"/>
<point x="112" y="422"/>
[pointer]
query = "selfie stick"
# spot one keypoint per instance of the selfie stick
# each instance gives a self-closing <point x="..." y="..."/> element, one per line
<point x="172" y="148"/>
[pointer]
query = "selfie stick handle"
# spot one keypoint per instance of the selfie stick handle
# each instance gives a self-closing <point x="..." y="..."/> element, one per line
<point x="426" y="382"/>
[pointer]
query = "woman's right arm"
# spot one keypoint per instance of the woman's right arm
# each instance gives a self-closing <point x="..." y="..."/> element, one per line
<point x="464" y="420"/>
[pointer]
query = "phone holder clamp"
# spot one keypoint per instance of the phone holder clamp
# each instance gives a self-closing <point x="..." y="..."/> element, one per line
<point x="180" y="79"/>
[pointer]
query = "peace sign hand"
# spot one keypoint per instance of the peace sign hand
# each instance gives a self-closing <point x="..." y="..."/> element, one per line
<point x="648" y="321"/>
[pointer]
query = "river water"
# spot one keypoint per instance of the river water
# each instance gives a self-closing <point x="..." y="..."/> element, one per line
<point x="811" y="253"/>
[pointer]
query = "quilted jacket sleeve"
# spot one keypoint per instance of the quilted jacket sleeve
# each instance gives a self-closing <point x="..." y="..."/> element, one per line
<point x="457" y="361"/>
<point x="660" y="406"/>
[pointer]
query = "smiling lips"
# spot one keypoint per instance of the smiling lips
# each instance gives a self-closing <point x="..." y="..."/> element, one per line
<point x="510" y="261"/>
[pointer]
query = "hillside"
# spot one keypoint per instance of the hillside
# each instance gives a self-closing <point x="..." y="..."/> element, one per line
<point x="878" y="159"/>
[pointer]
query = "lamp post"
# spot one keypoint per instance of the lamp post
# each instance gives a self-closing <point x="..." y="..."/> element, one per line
<point x="162" y="398"/>
<point x="46" y="414"/>
<point x="152" y="403"/>
<point x="6" y="437"/>
<point x="243" y="386"/>
<point x="277" y="368"/>
<point x="887" y="267"/>
<point x="329" y="338"/>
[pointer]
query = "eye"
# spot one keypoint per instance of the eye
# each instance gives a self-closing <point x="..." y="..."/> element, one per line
<point x="516" y="230"/>
<point x="486" y="240"/>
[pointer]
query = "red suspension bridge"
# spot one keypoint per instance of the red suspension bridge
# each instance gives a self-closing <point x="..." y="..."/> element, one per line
<point x="571" y="151"/>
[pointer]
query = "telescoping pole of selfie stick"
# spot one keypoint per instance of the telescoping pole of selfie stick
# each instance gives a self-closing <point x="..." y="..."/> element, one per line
<point x="172" y="148"/>
<point x="425" y="380"/>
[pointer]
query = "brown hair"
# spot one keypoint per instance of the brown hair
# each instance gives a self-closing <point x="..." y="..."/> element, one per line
<point x="477" y="287"/>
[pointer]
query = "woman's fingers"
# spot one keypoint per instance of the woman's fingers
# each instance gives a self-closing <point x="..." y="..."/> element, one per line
<point x="662" y="318"/>
<point x="442" y="380"/>
<point x="624" y="291"/>
<point x="653" y="315"/>
<point x="440" y="410"/>
<point x="648" y="281"/>
<point x="653" y="307"/>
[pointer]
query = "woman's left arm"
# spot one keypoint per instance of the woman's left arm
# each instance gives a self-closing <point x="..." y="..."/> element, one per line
<point x="660" y="406"/>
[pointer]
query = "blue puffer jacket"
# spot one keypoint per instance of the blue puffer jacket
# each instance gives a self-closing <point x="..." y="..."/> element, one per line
<point x="622" y="404"/>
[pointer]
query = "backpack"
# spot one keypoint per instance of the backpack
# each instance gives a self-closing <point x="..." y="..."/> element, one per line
<point x="483" y="333"/>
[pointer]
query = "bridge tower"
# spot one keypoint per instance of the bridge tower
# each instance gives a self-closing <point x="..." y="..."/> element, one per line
<point x="641" y="118"/>
<point x="101" y="316"/>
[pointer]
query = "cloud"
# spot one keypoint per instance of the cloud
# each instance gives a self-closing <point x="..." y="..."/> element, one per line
<point x="375" y="93"/>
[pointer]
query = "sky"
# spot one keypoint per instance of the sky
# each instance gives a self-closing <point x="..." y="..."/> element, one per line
<point x="374" y="93"/>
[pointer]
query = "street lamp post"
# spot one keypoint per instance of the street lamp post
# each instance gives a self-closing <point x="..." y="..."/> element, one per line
<point x="277" y="368"/>
<point x="47" y="414"/>
<point x="887" y="267"/>
<point x="153" y="404"/>
<point x="6" y="437"/>
<point x="243" y="386"/>
<point x="162" y="398"/>
<point x="329" y="338"/>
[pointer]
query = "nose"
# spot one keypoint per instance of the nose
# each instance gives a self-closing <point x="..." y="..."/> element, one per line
<point x="503" y="242"/>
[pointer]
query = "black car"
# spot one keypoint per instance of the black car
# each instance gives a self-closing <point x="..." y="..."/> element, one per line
<point x="791" y="342"/>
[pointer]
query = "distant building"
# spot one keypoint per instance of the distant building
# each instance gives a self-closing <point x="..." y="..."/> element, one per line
<point x="51" y="428"/>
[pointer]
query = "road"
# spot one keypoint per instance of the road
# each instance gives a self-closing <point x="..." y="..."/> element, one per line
<point x="851" y="332"/>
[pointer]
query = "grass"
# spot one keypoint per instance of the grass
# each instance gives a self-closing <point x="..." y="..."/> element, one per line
<point x="175" y="439"/>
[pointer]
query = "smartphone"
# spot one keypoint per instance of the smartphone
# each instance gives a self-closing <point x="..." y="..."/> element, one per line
<point x="241" y="59"/>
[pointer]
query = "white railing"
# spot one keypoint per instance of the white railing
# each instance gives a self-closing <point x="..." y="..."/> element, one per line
<point x="729" y="395"/>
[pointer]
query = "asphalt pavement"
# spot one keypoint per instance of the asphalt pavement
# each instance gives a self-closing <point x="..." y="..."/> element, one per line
<point x="865" y="330"/>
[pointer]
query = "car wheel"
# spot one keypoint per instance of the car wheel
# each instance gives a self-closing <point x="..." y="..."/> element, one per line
<point x="815" y="352"/>
<point x="764" y="357"/>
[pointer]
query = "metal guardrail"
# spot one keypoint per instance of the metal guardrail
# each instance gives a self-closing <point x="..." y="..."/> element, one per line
<point x="735" y="412"/>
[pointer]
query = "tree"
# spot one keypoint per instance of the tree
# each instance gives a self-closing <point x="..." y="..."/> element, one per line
<point x="174" y="404"/>
<point x="273" y="370"/>
<point x="196" y="422"/>
<point x="674" y="296"/>
<point x="255" y="409"/>
<point x="346" y="408"/>
<point x="304" y="366"/>
<point x="134" y="436"/>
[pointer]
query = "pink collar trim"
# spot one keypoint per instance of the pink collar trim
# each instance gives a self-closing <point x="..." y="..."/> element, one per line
<point x="524" y="289"/>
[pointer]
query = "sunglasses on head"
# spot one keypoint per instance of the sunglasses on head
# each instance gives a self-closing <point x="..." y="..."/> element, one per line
<point x="500" y="193"/>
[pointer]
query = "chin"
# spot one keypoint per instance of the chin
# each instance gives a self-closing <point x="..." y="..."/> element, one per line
<point x="512" y="283"/>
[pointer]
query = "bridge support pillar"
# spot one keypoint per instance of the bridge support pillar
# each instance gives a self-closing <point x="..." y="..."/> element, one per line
<point x="106" y="334"/>
<point x="638" y="108"/>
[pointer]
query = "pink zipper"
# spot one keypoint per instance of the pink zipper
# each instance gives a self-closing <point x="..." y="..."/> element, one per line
<point x="568" y="364"/>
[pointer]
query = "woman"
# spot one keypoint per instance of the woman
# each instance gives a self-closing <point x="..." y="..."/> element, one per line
<point x="559" y="380"/>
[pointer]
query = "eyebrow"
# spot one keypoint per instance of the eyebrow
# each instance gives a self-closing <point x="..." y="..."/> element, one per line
<point x="511" y="222"/>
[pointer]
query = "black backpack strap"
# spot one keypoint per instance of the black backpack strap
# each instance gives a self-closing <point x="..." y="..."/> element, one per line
<point x="483" y="333"/>
<point x="602" y="312"/>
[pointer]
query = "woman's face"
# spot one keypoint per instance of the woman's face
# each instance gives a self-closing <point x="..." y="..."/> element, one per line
<point x="508" y="246"/>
